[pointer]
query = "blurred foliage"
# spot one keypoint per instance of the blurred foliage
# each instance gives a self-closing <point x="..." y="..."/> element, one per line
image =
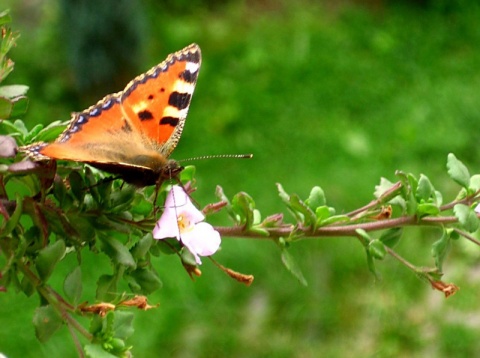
<point x="321" y="94"/>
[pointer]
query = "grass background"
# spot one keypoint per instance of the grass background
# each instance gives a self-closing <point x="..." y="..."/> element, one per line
<point x="321" y="94"/>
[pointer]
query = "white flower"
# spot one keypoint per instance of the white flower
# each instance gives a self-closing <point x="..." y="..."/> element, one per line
<point x="181" y="219"/>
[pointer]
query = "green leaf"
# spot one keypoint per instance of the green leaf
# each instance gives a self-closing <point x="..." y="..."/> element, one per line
<point x="11" y="223"/>
<point x="440" y="249"/>
<point x="376" y="248"/>
<point x="474" y="182"/>
<point x="106" y="288"/>
<point x="290" y="263"/>
<point x="425" y="209"/>
<point x="300" y="211"/>
<point x="316" y="198"/>
<point x="187" y="174"/>
<point x="20" y="126"/>
<point x="48" y="257"/>
<point x="82" y="225"/>
<point x="140" y="249"/>
<point x="322" y="213"/>
<point x="72" y="286"/>
<point x="46" y="321"/>
<point x="20" y="106"/>
<point x="6" y="107"/>
<point x="96" y="351"/>
<point x="77" y="185"/>
<point x="458" y="171"/>
<point x="243" y="206"/>
<point x="117" y="252"/>
<point x="391" y="237"/>
<point x="363" y="235"/>
<point x="13" y="91"/>
<point x="5" y="17"/>
<point x="59" y="191"/>
<point x="371" y="263"/>
<point x="467" y="217"/>
<point x="219" y="193"/>
<point x="336" y="219"/>
<point x="424" y="189"/>
<point x="121" y="200"/>
<point x="50" y="132"/>
<point x="145" y="281"/>
<point x="123" y="324"/>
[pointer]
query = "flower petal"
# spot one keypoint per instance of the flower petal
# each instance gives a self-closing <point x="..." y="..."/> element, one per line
<point x="167" y="226"/>
<point x="177" y="205"/>
<point x="178" y="200"/>
<point x="204" y="240"/>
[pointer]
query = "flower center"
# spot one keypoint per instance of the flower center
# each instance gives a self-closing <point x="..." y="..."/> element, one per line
<point x="183" y="223"/>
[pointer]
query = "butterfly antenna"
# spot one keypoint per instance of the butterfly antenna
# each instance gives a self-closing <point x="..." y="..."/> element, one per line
<point x="218" y="156"/>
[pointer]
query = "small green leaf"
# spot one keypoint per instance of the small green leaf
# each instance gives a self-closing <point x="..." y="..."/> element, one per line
<point x="121" y="200"/>
<point x="364" y="235"/>
<point x="409" y="187"/>
<point x="187" y="174"/>
<point x="20" y="126"/>
<point x="13" y="91"/>
<point x="6" y="107"/>
<point x="59" y="191"/>
<point x="316" y="198"/>
<point x="123" y="324"/>
<point x="391" y="237"/>
<point x="376" y="248"/>
<point x="77" y="185"/>
<point x="425" y="209"/>
<point x="466" y="217"/>
<point x="438" y="198"/>
<point x="243" y="206"/>
<point x="106" y="288"/>
<point x="424" y="189"/>
<point x="474" y="182"/>
<point x="440" y="249"/>
<point x="50" y="132"/>
<point x="322" y="213"/>
<point x="82" y="226"/>
<point x="145" y="281"/>
<point x="117" y="251"/>
<point x="20" y="106"/>
<point x="335" y="219"/>
<point x="140" y="249"/>
<point x="96" y="351"/>
<point x="48" y="257"/>
<point x="72" y="286"/>
<point x="300" y="211"/>
<point x="458" y="171"/>
<point x="11" y="223"/>
<point x="46" y="321"/>
<point x="290" y="263"/>
<point x="371" y="263"/>
<point x="5" y="17"/>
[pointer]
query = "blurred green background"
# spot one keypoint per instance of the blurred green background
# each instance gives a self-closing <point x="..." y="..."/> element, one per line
<point x="326" y="93"/>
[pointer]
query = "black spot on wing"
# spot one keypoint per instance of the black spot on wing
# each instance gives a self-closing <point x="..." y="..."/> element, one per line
<point x="173" y="121"/>
<point x="191" y="57"/>
<point x="179" y="100"/>
<point x="145" y="115"/>
<point x="188" y="76"/>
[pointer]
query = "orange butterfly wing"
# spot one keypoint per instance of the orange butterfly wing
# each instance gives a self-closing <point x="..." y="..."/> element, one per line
<point x="133" y="130"/>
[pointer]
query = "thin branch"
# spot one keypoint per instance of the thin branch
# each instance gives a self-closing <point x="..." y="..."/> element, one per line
<point x="467" y="236"/>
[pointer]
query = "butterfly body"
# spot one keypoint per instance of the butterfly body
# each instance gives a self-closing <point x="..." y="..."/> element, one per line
<point x="133" y="132"/>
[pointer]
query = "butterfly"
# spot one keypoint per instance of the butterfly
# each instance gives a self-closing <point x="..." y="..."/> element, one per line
<point x="133" y="132"/>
